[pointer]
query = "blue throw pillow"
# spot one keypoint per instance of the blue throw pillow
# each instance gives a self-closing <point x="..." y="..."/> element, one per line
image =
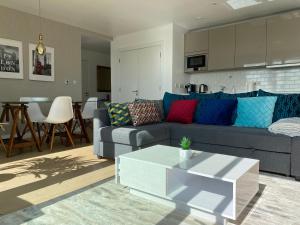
<point x="255" y="112"/>
<point x="201" y="96"/>
<point x="169" y="98"/>
<point x="238" y="95"/>
<point x="216" y="111"/>
<point x="287" y="105"/>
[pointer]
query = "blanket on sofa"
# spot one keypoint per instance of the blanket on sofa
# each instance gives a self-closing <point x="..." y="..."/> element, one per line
<point x="288" y="126"/>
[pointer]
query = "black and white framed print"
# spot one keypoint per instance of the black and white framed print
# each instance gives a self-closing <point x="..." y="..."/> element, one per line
<point x="11" y="59"/>
<point x="41" y="67"/>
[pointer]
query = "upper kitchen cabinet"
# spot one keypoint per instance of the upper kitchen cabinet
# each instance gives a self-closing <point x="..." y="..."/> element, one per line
<point x="251" y="44"/>
<point x="196" y="41"/>
<point x="221" y="48"/>
<point x="283" y="36"/>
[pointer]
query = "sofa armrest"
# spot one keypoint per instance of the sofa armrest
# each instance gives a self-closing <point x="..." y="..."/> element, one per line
<point x="101" y="119"/>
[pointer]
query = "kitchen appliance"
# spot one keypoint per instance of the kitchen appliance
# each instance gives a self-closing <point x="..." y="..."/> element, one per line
<point x="190" y="88"/>
<point x="196" y="62"/>
<point x="203" y="88"/>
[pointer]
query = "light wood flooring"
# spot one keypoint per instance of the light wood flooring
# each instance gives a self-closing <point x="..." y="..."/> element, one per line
<point x="34" y="177"/>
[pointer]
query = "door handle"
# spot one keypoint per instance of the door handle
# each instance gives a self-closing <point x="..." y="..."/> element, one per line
<point x="136" y="91"/>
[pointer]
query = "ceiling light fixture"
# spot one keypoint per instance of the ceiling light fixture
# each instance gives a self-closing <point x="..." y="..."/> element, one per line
<point x="239" y="4"/>
<point x="40" y="47"/>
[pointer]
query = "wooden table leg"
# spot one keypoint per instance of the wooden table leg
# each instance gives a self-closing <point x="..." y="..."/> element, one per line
<point x="3" y="114"/>
<point x="29" y="124"/>
<point x="13" y="132"/>
<point x="12" y="110"/>
<point x="78" y="115"/>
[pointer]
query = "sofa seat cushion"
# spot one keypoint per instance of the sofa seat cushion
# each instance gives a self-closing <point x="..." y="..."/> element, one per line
<point x="135" y="136"/>
<point x="241" y="137"/>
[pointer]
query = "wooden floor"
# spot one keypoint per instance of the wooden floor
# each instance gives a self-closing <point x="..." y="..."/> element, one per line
<point x="34" y="177"/>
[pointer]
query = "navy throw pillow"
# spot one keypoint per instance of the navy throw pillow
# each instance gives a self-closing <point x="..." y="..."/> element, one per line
<point x="216" y="111"/>
<point x="287" y="105"/>
<point x="169" y="98"/>
<point x="201" y="96"/>
<point x="238" y="95"/>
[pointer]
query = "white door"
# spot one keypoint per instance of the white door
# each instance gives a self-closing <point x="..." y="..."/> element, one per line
<point x="128" y="76"/>
<point x="149" y="82"/>
<point x="140" y="74"/>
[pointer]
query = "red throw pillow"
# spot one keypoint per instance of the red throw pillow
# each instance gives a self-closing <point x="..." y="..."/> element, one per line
<point x="182" y="111"/>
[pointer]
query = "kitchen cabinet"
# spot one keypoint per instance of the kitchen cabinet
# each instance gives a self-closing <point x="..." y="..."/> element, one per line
<point x="283" y="38"/>
<point x="196" y="41"/>
<point x="251" y="44"/>
<point x="221" y="48"/>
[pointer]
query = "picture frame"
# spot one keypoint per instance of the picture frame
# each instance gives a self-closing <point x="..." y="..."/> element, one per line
<point x="41" y="67"/>
<point x="11" y="59"/>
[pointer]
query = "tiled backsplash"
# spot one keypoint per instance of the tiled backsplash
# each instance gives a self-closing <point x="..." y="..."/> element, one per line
<point x="285" y="80"/>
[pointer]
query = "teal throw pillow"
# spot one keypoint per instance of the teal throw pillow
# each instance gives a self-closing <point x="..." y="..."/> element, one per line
<point x="255" y="112"/>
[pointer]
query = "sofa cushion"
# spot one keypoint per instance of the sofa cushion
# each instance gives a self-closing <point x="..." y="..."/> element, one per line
<point x="182" y="111"/>
<point x="135" y="136"/>
<point x="216" y="111"/>
<point x="118" y="114"/>
<point x="255" y="111"/>
<point x="238" y="95"/>
<point x="287" y="105"/>
<point x="158" y="104"/>
<point x="144" y="113"/>
<point x="252" y="138"/>
<point x="169" y="98"/>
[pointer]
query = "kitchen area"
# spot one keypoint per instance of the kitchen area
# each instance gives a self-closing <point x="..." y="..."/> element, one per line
<point x="249" y="55"/>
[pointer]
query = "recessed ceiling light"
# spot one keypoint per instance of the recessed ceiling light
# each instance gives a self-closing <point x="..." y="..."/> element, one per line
<point x="239" y="4"/>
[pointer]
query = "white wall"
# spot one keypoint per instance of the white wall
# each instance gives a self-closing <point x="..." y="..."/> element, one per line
<point x="93" y="60"/>
<point x="274" y="80"/>
<point x="167" y="36"/>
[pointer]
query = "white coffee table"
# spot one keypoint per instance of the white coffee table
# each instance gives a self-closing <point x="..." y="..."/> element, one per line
<point x="212" y="186"/>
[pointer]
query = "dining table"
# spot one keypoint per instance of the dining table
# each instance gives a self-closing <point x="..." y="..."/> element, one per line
<point x="16" y="113"/>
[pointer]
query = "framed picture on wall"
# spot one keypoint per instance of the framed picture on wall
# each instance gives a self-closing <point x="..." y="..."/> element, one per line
<point x="41" y="67"/>
<point x="11" y="59"/>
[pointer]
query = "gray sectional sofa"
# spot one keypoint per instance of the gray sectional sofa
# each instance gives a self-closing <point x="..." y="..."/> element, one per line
<point x="277" y="153"/>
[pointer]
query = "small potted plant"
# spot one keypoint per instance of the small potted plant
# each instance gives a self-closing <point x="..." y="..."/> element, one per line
<point x="185" y="151"/>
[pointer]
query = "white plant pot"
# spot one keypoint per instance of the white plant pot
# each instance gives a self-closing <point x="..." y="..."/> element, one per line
<point x="185" y="154"/>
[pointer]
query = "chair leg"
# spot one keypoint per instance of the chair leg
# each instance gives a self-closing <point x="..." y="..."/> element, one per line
<point x="52" y="137"/>
<point x="39" y="132"/>
<point x="69" y="135"/>
<point x="45" y="134"/>
<point x="2" y="144"/>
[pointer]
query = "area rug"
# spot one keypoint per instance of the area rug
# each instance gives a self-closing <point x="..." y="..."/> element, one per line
<point x="106" y="203"/>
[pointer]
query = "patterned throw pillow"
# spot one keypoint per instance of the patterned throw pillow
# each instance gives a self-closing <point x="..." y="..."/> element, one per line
<point x="144" y="113"/>
<point x="118" y="114"/>
<point x="255" y="112"/>
<point x="157" y="103"/>
<point x="287" y="105"/>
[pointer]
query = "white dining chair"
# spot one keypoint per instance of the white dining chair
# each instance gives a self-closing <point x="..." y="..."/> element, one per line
<point x="35" y="113"/>
<point x="61" y="112"/>
<point x="89" y="107"/>
<point x="87" y="114"/>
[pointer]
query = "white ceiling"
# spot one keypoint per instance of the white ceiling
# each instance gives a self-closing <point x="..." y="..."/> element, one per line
<point x="116" y="17"/>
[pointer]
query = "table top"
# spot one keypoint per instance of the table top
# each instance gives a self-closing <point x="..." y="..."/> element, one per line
<point x="217" y="166"/>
